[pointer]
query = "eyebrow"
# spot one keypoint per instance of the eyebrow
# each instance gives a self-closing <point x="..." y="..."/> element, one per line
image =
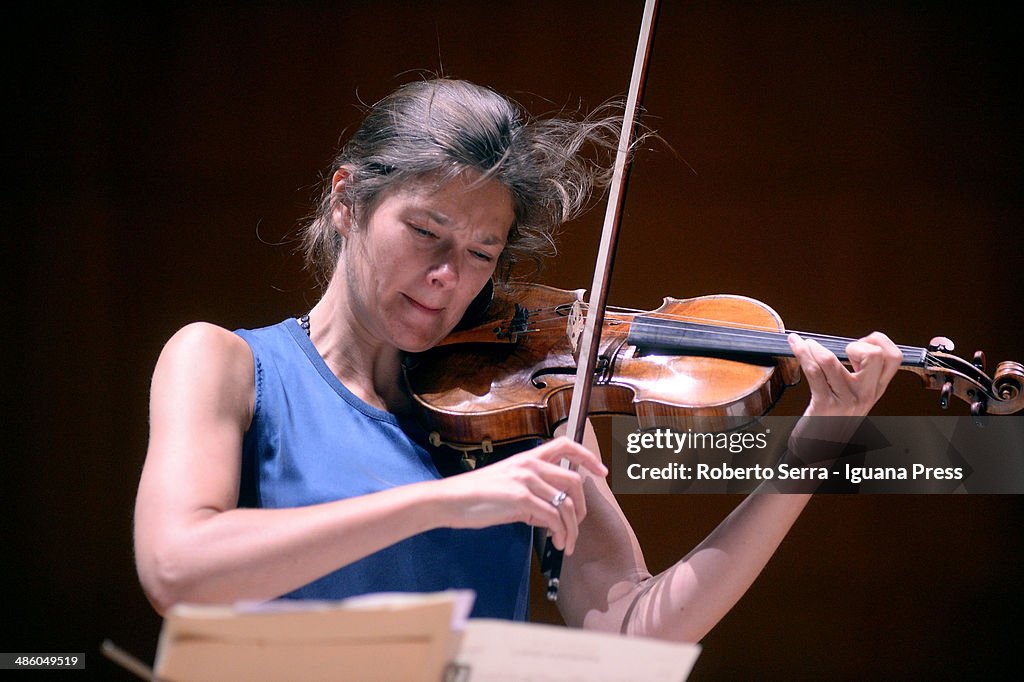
<point x="443" y="220"/>
<point x="439" y="218"/>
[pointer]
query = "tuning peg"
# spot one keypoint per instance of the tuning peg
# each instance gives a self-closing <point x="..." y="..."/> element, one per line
<point x="979" y="360"/>
<point x="941" y="343"/>
<point x="978" y="410"/>
<point x="947" y="390"/>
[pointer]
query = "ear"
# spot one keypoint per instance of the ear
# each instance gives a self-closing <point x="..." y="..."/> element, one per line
<point x="341" y="212"/>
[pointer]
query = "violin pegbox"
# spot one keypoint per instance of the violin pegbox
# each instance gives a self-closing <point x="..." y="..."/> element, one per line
<point x="1002" y="393"/>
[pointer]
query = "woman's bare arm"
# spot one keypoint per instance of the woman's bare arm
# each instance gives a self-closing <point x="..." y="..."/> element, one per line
<point x="191" y="541"/>
<point x="607" y="585"/>
<point x="193" y="544"/>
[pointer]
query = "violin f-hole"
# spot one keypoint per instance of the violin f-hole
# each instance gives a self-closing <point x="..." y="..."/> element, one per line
<point x="603" y="363"/>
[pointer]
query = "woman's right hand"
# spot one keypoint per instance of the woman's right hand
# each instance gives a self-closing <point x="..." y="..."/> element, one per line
<point x="523" y="488"/>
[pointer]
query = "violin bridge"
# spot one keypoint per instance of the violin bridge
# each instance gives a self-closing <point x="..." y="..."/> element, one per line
<point x="574" y="326"/>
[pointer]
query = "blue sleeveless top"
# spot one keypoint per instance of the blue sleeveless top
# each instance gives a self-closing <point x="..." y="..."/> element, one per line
<point x="312" y="441"/>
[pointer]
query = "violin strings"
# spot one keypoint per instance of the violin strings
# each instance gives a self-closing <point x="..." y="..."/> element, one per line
<point x="731" y="330"/>
<point x="772" y="338"/>
<point x="725" y="328"/>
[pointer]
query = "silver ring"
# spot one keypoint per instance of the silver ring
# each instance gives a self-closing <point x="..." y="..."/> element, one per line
<point x="558" y="499"/>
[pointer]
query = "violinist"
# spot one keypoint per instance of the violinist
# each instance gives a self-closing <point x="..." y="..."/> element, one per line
<point x="286" y="461"/>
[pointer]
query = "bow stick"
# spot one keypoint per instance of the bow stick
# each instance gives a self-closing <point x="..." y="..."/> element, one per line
<point x="551" y="558"/>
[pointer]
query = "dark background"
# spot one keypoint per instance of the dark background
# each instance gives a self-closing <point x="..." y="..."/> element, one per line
<point x="855" y="165"/>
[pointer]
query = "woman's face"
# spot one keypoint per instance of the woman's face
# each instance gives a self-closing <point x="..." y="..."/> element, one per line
<point x="413" y="266"/>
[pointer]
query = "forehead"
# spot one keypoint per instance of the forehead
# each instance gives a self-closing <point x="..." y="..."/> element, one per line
<point x="465" y="201"/>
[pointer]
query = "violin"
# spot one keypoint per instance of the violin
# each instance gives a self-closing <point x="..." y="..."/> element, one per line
<point x="542" y="357"/>
<point x="511" y="375"/>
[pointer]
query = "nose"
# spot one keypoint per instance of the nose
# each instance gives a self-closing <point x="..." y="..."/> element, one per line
<point x="444" y="274"/>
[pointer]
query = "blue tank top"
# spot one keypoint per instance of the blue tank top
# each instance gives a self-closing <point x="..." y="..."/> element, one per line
<point x="312" y="441"/>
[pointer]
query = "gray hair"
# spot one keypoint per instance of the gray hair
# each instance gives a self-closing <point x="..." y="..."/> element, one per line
<point x="437" y="129"/>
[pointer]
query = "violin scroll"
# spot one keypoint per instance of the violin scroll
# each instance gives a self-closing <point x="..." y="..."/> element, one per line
<point x="1008" y="381"/>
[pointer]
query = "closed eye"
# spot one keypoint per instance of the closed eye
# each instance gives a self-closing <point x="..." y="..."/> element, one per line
<point x="422" y="231"/>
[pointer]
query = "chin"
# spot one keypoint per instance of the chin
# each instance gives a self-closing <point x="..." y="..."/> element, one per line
<point x="417" y="343"/>
<point x="415" y="347"/>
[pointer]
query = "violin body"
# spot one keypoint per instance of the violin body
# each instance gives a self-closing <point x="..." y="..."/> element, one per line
<point x="491" y="384"/>
<point x="511" y="376"/>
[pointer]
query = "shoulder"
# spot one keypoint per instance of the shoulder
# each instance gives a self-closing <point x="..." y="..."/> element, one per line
<point x="207" y="363"/>
<point x="202" y="342"/>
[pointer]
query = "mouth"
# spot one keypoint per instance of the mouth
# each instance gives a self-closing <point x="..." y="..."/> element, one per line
<point x="419" y="306"/>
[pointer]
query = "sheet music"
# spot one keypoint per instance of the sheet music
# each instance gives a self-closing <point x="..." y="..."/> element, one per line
<point x="408" y="637"/>
<point x="500" y="651"/>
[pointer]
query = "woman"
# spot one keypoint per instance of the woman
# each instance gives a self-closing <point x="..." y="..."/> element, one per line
<point x="283" y="462"/>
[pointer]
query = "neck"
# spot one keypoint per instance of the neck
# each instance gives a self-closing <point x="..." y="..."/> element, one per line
<point x="366" y="366"/>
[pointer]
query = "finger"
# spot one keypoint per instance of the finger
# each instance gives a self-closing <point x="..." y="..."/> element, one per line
<point x="567" y="481"/>
<point x="551" y="520"/>
<point x="876" y="360"/>
<point x="839" y="379"/>
<point x="543" y="480"/>
<point x="560" y="523"/>
<point x="564" y="506"/>
<point x="809" y="364"/>
<point x="891" y="354"/>
<point x="867" y="361"/>
<point x="565" y="448"/>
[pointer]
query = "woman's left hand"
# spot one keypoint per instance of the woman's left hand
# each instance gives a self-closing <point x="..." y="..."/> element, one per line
<point x="839" y="392"/>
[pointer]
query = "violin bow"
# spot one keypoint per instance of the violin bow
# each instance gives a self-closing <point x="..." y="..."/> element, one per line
<point x="551" y="558"/>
